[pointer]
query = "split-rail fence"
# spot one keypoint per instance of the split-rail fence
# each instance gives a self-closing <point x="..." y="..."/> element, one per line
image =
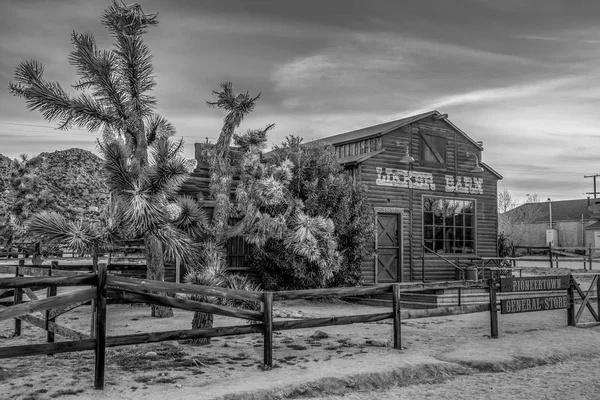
<point x="104" y="286"/>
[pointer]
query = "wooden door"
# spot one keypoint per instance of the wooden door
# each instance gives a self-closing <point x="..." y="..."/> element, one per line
<point x="389" y="248"/>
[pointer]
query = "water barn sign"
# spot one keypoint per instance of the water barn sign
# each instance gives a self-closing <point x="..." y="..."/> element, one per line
<point x="424" y="180"/>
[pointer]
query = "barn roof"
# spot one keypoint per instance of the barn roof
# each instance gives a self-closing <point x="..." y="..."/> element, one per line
<point x="563" y="210"/>
<point x="382" y="129"/>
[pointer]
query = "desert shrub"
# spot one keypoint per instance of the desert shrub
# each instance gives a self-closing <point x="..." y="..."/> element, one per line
<point x="327" y="191"/>
<point x="504" y="245"/>
<point x="280" y="269"/>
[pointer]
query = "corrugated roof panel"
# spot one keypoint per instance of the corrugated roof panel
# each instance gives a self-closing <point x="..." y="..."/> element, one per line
<point x="563" y="210"/>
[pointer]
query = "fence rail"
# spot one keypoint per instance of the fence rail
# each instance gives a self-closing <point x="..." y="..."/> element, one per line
<point x="138" y="290"/>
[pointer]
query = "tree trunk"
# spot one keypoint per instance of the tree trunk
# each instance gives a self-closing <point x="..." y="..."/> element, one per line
<point x="155" y="270"/>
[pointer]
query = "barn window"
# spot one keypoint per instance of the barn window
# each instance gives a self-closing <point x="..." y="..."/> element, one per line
<point x="433" y="150"/>
<point x="352" y="171"/>
<point x="449" y="225"/>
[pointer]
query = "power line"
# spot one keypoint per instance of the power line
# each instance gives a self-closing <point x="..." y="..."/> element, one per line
<point x="36" y="126"/>
<point x="595" y="193"/>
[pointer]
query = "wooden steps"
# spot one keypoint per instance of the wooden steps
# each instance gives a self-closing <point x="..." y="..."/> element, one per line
<point x="449" y="298"/>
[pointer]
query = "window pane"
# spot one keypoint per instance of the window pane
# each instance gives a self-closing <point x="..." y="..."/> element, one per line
<point x="449" y="212"/>
<point x="438" y="205"/>
<point x="469" y="207"/>
<point x="469" y="234"/>
<point x="468" y="220"/>
<point x="428" y="237"/>
<point x="428" y="232"/>
<point x="428" y="218"/>
<point x="459" y="239"/>
<point x="438" y="218"/>
<point x="468" y="248"/>
<point x="427" y="204"/>
<point x="459" y="219"/>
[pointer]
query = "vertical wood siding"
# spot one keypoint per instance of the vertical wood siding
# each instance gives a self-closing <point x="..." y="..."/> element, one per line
<point x="457" y="163"/>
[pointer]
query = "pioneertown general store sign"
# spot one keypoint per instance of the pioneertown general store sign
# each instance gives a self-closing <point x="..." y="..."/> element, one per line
<point x="521" y="286"/>
<point x="531" y="284"/>
<point x="424" y="180"/>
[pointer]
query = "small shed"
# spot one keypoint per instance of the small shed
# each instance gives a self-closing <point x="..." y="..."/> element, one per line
<point x="434" y="199"/>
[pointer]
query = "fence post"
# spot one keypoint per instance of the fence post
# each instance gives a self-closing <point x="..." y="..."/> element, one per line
<point x="590" y="257"/>
<point x="50" y="292"/>
<point x="550" y="253"/>
<point x="571" y="308"/>
<point x="100" y="328"/>
<point x="397" y="321"/>
<point x="493" y="309"/>
<point x="18" y="297"/>
<point x="598" y="297"/>
<point x="93" y="303"/>
<point x="268" y="328"/>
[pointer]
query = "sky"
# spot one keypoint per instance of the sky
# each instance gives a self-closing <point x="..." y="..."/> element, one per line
<point x="521" y="76"/>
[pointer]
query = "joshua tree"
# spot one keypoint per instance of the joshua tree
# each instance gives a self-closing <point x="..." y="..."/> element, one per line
<point x="115" y="98"/>
<point x="264" y="207"/>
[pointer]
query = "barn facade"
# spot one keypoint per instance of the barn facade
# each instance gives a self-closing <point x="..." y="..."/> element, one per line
<point x="435" y="201"/>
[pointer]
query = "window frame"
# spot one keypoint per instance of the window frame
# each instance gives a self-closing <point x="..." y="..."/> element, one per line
<point x="473" y="226"/>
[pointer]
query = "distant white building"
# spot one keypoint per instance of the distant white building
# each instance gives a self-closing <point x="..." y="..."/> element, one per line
<point x="577" y="223"/>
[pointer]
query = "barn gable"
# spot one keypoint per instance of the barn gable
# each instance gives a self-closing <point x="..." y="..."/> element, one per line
<point x="431" y="193"/>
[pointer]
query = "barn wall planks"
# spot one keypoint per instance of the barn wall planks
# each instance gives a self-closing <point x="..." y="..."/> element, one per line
<point x="457" y="164"/>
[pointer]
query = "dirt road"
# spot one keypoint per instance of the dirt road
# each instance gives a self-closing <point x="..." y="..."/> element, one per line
<point x="454" y="355"/>
<point x="575" y="379"/>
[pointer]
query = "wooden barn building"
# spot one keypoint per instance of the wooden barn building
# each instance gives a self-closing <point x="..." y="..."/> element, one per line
<point x="434" y="199"/>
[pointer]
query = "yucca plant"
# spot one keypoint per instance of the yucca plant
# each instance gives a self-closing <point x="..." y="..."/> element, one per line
<point x="146" y="202"/>
<point x="212" y="271"/>
<point x="81" y="236"/>
<point x="115" y="97"/>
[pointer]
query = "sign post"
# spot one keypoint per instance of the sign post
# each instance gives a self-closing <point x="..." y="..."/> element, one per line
<point x="533" y="303"/>
<point x="493" y="309"/>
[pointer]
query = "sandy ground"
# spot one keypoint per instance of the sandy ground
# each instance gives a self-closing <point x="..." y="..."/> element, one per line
<point x="352" y="359"/>
<point x="577" y="379"/>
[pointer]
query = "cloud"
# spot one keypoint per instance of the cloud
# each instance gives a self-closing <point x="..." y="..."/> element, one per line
<point x="534" y="37"/>
<point x="390" y="71"/>
<point x="500" y="93"/>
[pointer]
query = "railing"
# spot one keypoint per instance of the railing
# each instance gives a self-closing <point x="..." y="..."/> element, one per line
<point x="460" y="270"/>
<point x="141" y="291"/>
<point x="587" y="255"/>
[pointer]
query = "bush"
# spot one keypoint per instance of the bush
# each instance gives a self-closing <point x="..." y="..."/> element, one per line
<point x="327" y="191"/>
<point x="504" y="246"/>
<point x="280" y="269"/>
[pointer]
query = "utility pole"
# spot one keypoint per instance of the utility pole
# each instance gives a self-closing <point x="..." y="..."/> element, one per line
<point x="595" y="176"/>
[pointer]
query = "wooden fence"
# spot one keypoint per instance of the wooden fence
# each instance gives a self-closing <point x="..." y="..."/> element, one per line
<point x="105" y="286"/>
<point x="587" y="255"/>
